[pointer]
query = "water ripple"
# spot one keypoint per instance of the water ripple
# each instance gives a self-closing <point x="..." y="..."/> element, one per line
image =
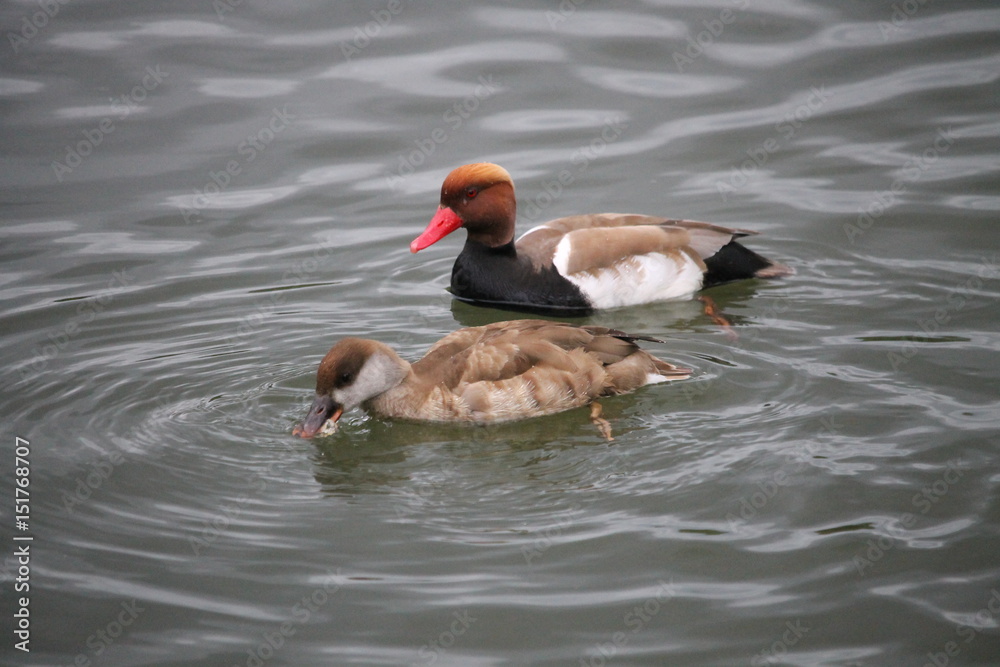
<point x="828" y="470"/>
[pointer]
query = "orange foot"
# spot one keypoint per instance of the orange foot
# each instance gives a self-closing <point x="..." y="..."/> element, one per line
<point x="603" y="425"/>
<point x="713" y="312"/>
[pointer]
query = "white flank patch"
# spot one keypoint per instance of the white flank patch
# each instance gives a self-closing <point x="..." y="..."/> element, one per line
<point x="560" y="258"/>
<point x="634" y="280"/>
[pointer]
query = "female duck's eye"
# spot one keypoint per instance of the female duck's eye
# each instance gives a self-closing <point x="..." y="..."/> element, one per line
<point x="471" y="192"/>
<point x="345" y="378"/>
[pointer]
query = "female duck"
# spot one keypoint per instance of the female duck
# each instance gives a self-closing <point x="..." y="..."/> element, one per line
<point x="494" y="373"/>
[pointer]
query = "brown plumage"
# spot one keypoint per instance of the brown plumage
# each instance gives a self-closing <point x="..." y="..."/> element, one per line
<point x="494" y="373"/>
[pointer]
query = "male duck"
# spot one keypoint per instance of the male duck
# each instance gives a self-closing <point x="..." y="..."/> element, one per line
<point x="580" y="263"/>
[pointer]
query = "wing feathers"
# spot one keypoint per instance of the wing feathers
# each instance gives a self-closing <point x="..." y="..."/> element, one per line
<point x="510" y="370"/>
<point x="599" y="248"/>
<point x="705" y="238"/>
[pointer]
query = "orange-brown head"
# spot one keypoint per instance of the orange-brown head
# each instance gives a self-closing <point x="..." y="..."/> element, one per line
<point x="479" y="197"/>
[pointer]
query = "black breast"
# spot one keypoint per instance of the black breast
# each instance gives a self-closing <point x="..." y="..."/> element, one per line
<point x="499" y="278"/>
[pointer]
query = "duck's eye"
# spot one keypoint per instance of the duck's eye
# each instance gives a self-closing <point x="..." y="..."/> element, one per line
<point x="471" y="192"/>
<point x="345" y="378"/>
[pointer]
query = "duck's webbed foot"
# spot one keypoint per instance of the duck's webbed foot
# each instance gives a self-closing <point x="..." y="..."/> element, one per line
<point x="718" y="317"/>
<point x="603" y="425"/>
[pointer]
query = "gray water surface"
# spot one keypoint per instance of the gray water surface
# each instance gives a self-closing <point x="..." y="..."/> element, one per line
<point x="198" y="199"/>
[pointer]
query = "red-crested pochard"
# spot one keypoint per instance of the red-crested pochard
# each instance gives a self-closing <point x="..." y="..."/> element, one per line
<point x="494" y="373"/>
<point x="580" y="263"/>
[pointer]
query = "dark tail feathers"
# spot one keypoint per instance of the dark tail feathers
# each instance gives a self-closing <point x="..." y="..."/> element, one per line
<point x="735" y="262"/>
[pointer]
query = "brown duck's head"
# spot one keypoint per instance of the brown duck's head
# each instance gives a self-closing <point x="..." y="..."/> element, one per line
<point x="479" y="197"/>
<point x="352" y="372"/>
